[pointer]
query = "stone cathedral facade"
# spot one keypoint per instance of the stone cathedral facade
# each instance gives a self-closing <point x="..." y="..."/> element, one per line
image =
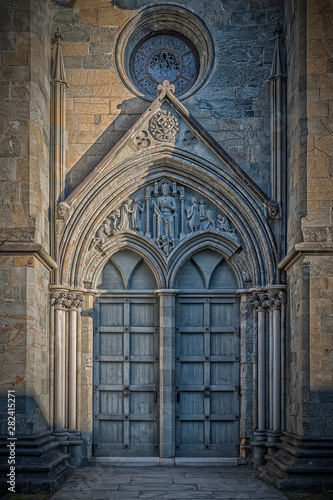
<point x="166" y="236"/>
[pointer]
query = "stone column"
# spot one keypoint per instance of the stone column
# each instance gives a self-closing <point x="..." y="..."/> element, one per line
<point x="260" y="434"/>
<point x="167" y="369"/>
<point x="57" y="137"/>
<point x="276" y="299"/>
<point x="59" y="300"/>
<point x="76" y="301"/>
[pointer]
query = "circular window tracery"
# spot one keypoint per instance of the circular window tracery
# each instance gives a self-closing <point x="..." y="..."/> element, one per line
<point x="164" y="57"/>
<point x="183" y="27"/>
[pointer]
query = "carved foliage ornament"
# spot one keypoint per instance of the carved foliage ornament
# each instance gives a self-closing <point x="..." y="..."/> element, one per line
<point x="165" y="216"/>
<point x="66" y="300"/>
<point x="164" y="126"/>
<point x="268" y="300"/>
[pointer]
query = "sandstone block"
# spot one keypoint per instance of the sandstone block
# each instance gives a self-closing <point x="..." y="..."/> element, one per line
<point x="89" y="16"/>
<point x="75" y="48"/>
<point x="15" y="59"/>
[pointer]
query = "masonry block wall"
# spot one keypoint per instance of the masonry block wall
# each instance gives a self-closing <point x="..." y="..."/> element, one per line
<point x="233" y="106"/>
<point x="310" y="81"/>
<point x="24" y="219"/>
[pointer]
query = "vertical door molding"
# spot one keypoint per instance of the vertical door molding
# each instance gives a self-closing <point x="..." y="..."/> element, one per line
<point x="259" y="303"/>
<point x="167" y="374"/>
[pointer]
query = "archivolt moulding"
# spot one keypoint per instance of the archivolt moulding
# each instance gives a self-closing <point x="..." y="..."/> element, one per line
<point x="90" y="210"/>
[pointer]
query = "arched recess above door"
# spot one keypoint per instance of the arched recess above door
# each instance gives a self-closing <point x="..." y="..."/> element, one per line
<point x="126" y="270"/>
<point x="203" y="169"/>
<point x="206" y="270"/>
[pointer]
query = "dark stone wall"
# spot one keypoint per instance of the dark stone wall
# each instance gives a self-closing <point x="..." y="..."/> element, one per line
<point x="233" y="105"/>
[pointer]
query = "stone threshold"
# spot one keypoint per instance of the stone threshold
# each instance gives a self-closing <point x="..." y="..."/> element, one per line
<point x="168" y="462"/>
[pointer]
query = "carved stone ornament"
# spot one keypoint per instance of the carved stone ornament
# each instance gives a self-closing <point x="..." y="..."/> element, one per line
<point x="271" y="300"/>
<point x="273" y="210"/>
<point x="164" y="126"/>
<point x="142" y="140"/>
<point x="60" y="300"/>
<point x="163" y="214"/>
<point x="62" y="211"/>
<point x="66" y="300"/>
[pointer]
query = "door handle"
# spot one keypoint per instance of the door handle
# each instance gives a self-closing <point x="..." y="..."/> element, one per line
<point x="155" y="395"/>
<point x="178" y="396"/>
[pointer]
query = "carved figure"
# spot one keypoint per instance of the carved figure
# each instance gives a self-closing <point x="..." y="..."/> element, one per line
<point x="165" y="209"/>
<point x="223" y="223"/>
<point x="165" y="244"/>
<point x="137" y="210"/>
<point x="62" y="211"/>
<point x="115" y="216"/>
<point x="273" y="210"/>
<point x="125" y="211"/>
<point x="102" y="232"/>
<point x="193" y="215"/>
<point x="206" y="215"/>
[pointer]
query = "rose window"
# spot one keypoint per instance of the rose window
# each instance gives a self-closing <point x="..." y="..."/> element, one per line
<point x="164" y="57"/>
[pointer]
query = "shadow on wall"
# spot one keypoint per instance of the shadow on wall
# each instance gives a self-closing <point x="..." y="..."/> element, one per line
<point x="29" y="418"/>
<point x="130" y="111"/>
<point x="120" y="4"/>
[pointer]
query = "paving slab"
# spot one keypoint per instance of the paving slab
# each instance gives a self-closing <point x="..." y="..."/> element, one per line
<point x="169" y="483"/>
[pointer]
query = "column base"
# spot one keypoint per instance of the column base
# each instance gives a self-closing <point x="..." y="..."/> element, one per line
<point x="39" y="464"/>
<point x="300" y="464"/>
<point x="259" y="447"/>
<point x="273" y="437"/>
<point x="74" y="447"/>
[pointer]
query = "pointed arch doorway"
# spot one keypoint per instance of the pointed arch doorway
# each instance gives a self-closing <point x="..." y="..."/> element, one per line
<point x="126" y="359"/>
<point x="166" y="362"/>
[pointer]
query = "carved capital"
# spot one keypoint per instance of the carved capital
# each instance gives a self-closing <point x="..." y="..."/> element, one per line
<point x="60" y="300"/>
<point x="259" y="300"/>
<point x="276" y="299"/>
<point x="76" y="300"/>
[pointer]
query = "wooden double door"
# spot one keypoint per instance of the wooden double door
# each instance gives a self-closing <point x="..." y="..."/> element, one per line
<point x="204" y="406"/>
<point x="207" y="376"/>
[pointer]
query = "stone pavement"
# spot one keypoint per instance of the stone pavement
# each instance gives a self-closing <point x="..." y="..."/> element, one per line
<point x="172" y="483"/>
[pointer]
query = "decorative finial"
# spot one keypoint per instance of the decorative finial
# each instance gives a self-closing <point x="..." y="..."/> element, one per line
<point x="164" y="88"/>
<point x="278" y="30"/>
<point x="58" y="36"/>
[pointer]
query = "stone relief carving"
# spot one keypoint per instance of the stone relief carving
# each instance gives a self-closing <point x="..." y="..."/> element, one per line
<point x="189" y="139"/>
<point x="66" y="300"/>
<point x="273" y="210"/>
<point x="142" y="140"/>
<point x="240" y="259"/>
<point x="164" y="126"/>
<point x="62" y="211"/>
<point x="165" y="216"/>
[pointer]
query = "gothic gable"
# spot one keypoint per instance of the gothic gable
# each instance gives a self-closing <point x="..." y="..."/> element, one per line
<point x="167" y="126"/>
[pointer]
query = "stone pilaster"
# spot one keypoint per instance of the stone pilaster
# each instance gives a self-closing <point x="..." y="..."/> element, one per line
<point x="276" y="301"/>
<point x="167" y="375"/>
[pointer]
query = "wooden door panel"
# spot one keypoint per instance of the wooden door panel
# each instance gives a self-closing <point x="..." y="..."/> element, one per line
<point x="207" y="377"/>
<point x="111" y="344"/>
<point x="126" y="377"/>
<point x="111" y="314"/>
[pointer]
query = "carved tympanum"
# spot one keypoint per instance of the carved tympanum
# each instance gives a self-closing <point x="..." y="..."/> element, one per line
<point x="165" y="216"/>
